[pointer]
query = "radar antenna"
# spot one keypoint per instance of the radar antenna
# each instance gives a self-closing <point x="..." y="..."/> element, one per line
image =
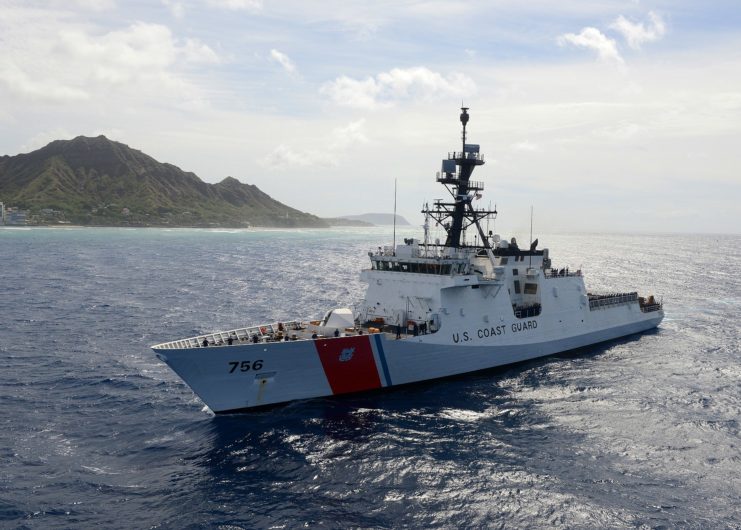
<point x="459" y="214"/>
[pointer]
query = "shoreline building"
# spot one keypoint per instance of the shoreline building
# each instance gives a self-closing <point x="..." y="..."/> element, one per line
<point x="16" y="217"/>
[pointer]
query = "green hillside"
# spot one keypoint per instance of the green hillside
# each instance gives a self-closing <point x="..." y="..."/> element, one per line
<point x="97" y="181"/>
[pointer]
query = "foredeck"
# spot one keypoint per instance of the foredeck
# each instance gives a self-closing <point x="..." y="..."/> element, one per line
<point x="221" y="338"/>
<point x="292" y="330"/>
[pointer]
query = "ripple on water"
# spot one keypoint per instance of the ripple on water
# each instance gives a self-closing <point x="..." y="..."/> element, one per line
<point x="641" y="432"/>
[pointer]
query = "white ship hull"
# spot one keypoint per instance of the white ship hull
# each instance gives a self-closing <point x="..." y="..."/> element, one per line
<point x="224" y="378"/>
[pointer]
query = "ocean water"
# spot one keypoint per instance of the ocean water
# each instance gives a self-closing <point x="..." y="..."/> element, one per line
<point x="96" y="432"/>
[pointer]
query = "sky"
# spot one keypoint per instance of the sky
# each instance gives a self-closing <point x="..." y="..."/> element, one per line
<point x="603" y="115"/>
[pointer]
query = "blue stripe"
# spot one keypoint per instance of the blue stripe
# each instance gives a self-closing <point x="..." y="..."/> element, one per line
<point x="382" y="356"/>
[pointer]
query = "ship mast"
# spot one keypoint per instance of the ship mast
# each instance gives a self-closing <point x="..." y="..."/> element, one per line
<point x="455" y="175"/>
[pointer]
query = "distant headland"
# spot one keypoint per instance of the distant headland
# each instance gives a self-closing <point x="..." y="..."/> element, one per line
<point x="100" y="182"/>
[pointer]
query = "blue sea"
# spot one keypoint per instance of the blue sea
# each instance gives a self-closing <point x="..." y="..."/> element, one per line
<point x="96" y="432"/>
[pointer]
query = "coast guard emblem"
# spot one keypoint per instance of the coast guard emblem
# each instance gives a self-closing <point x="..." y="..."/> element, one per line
<point x="346" y="354"/>
<point x="348" y="363"/>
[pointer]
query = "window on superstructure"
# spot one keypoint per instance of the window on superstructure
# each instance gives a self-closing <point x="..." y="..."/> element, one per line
<point x="515" y="272"/>
<point x="531" y="288"/>
<point x="503" y="261"/>
<point x="517" y="286"/>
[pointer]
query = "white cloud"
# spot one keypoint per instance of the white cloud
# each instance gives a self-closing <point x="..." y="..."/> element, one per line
<point x="49" y="90"/>
<point x="329" y="155"/>
<point x="121" y="56"/>
<point x="176" y="8"/>
<point x="352" y="133"/>
<point x="283" y="60"/>
<point x="50" y="59"/>
<point x="195" y="51"/>
<point x="593" y="39"/>
<point x="525" y="146"/>
<point x="351" y="92"/>
<point x="398" y="84"/>
<point x="236" y="5"/>
<point x="95" y="5"/>
<point x="636" y="34"/>
<point x="284" y="156"/>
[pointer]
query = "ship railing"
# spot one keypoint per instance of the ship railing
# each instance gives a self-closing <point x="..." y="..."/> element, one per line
<point x="561" y="273"/>
<point x="221" y="338"/>
<point x="650" y="304"/>
<point x="648" y="308"/>
<point x="598" y="301"/>
<point x="472" y="185"/>
<point x="382" y="251"/>
<point x="457" y="155"/>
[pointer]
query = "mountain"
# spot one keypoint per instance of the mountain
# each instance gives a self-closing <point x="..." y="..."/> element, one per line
<point x="101" y="182"/>
<point x="378" y="218"/>
<point x="342" y="221"/>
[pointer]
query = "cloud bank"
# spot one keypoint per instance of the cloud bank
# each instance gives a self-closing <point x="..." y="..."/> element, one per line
<point x="398" y="84"/>
<point x="593" y="39"/>
<point x="637" y="34"/>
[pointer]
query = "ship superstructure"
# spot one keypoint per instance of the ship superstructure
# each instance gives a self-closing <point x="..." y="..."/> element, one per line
<point x="431" y="309"/>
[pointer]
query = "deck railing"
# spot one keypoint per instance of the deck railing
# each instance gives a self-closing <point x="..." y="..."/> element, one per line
<point x="598" y="301"/>
<point x="457" y="155"/>
<point x="221" y="338"/>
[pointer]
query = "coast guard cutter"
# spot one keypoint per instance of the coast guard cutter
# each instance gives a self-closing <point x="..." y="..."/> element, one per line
<point x="431" y="309"/>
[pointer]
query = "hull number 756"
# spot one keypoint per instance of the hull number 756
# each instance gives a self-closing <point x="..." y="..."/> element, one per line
<point x="245" y="366"/>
